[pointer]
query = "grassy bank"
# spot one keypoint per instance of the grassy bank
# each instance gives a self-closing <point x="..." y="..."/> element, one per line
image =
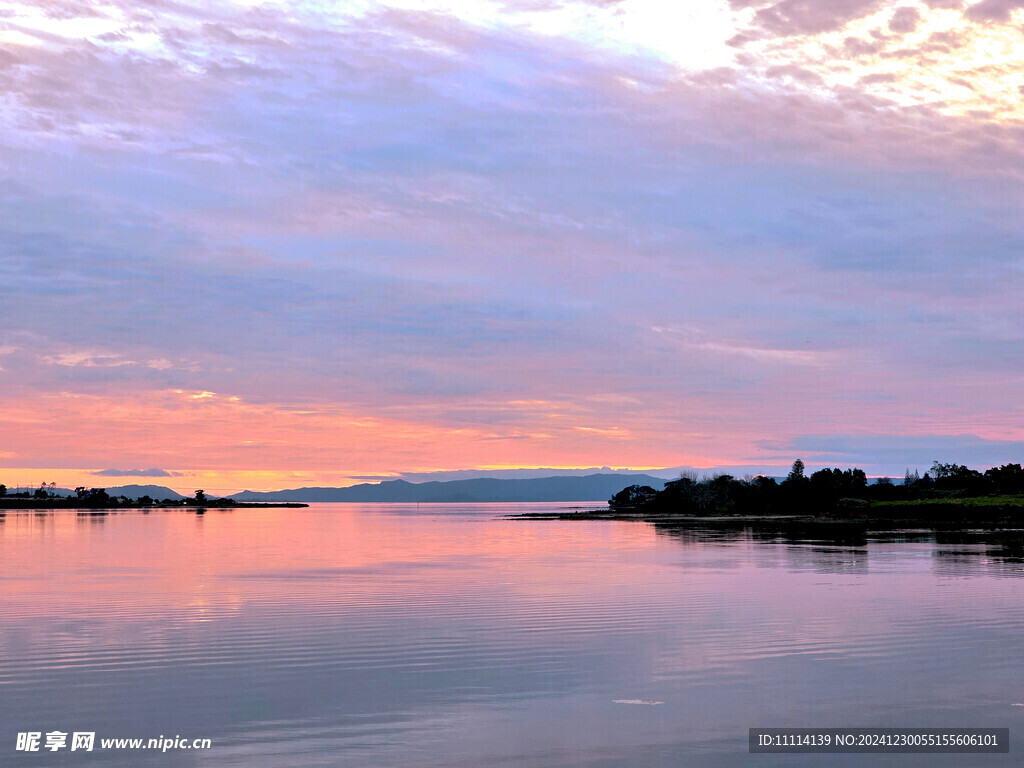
<point x="1004" y="502"/>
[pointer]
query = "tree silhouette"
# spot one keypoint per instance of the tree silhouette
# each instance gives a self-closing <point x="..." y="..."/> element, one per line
<point x="633" y="496"/>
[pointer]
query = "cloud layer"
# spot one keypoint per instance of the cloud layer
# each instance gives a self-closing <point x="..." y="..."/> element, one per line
<point x="386" y="240"/>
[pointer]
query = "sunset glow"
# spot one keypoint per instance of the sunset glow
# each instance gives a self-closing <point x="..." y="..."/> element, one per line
<point x="268" y="245"/>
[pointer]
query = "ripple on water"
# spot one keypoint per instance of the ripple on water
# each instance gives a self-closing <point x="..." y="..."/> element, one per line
<point x="293" y="637"/>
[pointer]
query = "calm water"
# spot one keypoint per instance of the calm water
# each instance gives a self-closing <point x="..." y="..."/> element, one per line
<point x="385" y="635"/>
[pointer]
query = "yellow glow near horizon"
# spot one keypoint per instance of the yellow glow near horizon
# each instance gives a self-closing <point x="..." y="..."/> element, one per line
<point x="227" y="482"/>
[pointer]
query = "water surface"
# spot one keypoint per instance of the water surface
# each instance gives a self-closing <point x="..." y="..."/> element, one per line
<point x="444" y="635"/>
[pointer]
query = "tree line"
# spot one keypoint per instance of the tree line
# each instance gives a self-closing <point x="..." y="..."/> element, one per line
<point x="100" y="498"/>
<point x="825" y="491"/>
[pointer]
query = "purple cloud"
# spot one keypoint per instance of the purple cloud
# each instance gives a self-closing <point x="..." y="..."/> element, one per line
<point x="807" y="17"/>
<point x="904" y="19"/>
<point x="993" y="10"/>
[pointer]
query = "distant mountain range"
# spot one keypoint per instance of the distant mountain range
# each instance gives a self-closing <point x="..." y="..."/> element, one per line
<point x="138" y="491"/>
<point x="596" y="487"/>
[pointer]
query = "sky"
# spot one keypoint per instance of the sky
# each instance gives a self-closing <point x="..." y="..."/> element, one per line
<point x="265" y="245"/>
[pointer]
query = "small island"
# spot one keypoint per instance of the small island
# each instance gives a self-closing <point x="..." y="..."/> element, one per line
<point x="830" y="502"/>
<point x="46" y="497"/>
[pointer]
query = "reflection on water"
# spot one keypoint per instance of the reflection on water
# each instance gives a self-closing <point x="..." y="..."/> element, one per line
<point x="386" y="635"/>
<point x="998" y="552"/>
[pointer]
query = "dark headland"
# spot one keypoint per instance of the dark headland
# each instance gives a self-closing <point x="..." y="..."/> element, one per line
<point x="50" y="497"/>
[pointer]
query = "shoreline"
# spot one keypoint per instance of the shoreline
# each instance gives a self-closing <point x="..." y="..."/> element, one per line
<point x="29" y="505"/>
<point x="826" y="527"/>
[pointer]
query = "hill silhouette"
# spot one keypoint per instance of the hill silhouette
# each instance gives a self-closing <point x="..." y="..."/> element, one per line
<point x="596" y="487"/>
